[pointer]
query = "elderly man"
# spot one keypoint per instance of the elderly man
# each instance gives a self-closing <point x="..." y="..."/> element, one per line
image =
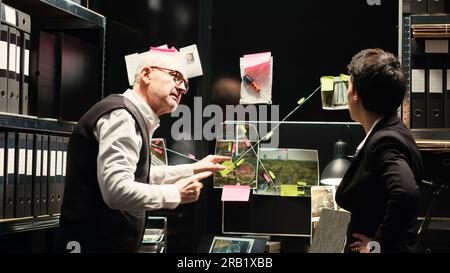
<point x="109" y="183"/>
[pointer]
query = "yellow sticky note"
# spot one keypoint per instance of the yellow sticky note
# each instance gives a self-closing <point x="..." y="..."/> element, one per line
<point x="240" y="162"/>
<point x="272" y="174"/>
<point x="268" y="136"/>
<point x="229" y="146"/>
<point x="289" y="190"/>
<point x="243" y="129"/>
<point x="301" y="101"/>
<point x="302" y="183"/>
<point x="327" y="83"/>
<point x="344" y="77"/>
<point x="229" y="167"/>
<point x="300" y="192"/>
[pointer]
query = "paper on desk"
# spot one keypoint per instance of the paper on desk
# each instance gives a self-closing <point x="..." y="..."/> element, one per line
<point x="235" y="193"/>
<point x="259" y="67"/>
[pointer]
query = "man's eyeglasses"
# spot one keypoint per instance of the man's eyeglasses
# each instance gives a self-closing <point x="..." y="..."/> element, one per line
<point x="177" y="77"/>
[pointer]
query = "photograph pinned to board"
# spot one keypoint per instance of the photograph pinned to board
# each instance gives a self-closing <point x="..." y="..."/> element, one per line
<point x="231" y="245"/>
<point x="256" y="74"/>
<point x="192" y="61"/>
<point x="242" y="168"/>
<point x="334" y="92"/>
<point x="158" y="152"/>
<point x="287" y="172"/>
<point x="322" y="197"/>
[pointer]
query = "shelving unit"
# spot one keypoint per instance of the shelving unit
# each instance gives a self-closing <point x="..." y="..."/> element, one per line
<point x="66" y="17"/>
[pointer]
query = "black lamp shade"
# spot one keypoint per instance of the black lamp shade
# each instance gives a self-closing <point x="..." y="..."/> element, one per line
<point x="336" y="169"/>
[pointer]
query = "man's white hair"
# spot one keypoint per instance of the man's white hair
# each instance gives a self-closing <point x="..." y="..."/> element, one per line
<point x="169" y="60"/>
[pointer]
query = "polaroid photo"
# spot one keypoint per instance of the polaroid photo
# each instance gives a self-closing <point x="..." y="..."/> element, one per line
<point x="231" y="245"/>
<point x="322" y="197"/>
<point x="192" y="61"/>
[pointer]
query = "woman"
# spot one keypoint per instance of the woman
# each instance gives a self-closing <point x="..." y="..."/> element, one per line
<point x="380" y="187"/>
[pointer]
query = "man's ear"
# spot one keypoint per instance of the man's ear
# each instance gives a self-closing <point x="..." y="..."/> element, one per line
<point x="145" y="74"/>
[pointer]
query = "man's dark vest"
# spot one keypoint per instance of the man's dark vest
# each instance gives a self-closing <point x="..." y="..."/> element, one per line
<point x="85" y="217"/>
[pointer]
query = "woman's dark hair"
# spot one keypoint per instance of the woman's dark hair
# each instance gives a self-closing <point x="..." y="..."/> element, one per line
<point x="378" y="79"/>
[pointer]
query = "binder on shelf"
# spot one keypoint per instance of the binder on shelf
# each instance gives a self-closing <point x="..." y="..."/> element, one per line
<point x="418" y="6"/>
<point x="37" y="175"/>
<point x="44" y="178"/>
<point x="52" y="189"/>
<point x="21" y="157"/>
<point x="43" y="84"/>
<point x="418" y="96"/>
<point x="436" y="6"/>
<point x="19" y="47"/>
<point x="435" y="98"/>
<point x="25" y="78"/>
<point x="3" y="67"/>
<point x="447" y="101"/>
<point x="29" y="176"/>
<point x="64" y="166"/>
<point x="13" y="84"/>
<point x="2" y="173"/>
<point x="59" y="186"/>
<point x="10" y="161"/>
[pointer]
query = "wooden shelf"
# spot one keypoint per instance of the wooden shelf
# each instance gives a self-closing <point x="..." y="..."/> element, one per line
<point x="35" y="124"/>
<point x="432" y="139"/>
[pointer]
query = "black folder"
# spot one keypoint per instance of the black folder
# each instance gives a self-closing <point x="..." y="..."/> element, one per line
<point x="29" y="176"/>
<point x="435" y="92"/>
<point x="13" y="84"/>
<point x="418" y="95"/>
<point x="10" y="161"/>
<point x="59" y="186"/>
<point x="418" y="6"/>
<point x="44" y="178"/>
<point x="37" y="175"/>
<point x="52" y="189"/>
<point x="2" y="173"/>
<point x="21" y="152"/>
<point x="25" y="79"/>
<point x="3" y="67"/>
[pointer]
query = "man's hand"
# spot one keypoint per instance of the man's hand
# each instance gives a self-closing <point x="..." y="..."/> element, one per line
<point x="360" y="246"/>
<point x="190" y="187"/>
<point x="210" y="164"/>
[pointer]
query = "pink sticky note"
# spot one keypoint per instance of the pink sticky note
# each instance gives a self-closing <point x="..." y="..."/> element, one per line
<point x="234" y="148"/>
<point x="235" y="193"/>
<point x="247" y="142"/>
<point x="167" y="50"/>
<point x="157" y="141"/>
<point x="266" y="177"/>
<point x="159" y="151"/>
<point x="191" y="156"/>
<point x="251" y="60"/>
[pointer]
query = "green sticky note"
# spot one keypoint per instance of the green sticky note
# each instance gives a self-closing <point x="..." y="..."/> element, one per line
<point x="243" y="129"/>
<point x="302" y="183"/>
<point x="229" y="167"/>
<point x="344" y="77"/>
<point x="229" y="146"/>
<point x="327" y="83"/>
<point x="301" y="192"/>
<point x="240" y="162"/>
<point x="268" y="136"/>
<point x="272" y="174"/>
<point x="301" y="101"/>
<point x="289" y="190"/>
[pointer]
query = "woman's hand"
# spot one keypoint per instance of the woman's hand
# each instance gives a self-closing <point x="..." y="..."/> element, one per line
<point x="361" y="245"/>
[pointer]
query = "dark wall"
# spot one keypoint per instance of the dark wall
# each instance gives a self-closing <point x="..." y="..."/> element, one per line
<point x="307" y="39"/>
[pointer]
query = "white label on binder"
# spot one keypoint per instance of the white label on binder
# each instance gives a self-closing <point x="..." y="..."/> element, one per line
<point x="59" y="163"/>
<point x="38" y="163"/>
<point x="436" y="81"/>
<point x="448" y="79"/>
<point x="10" y="15"/>
<point x="18" y="60"/>
<point x="29" y="162"/>
<point x="11" y="157"/>
<point x="22" y="160"/>
<point x="52" y="163"/>
<point x="418" y="80"/>
<point x="44" y="162"/>
<point x="436" y="46"/>
<point x="12" y="57"/>
<point x="26" y="64"/>
<point x="3" y="54"/>
<point x="64" y="163"/>
<point x="2" y="161"/>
